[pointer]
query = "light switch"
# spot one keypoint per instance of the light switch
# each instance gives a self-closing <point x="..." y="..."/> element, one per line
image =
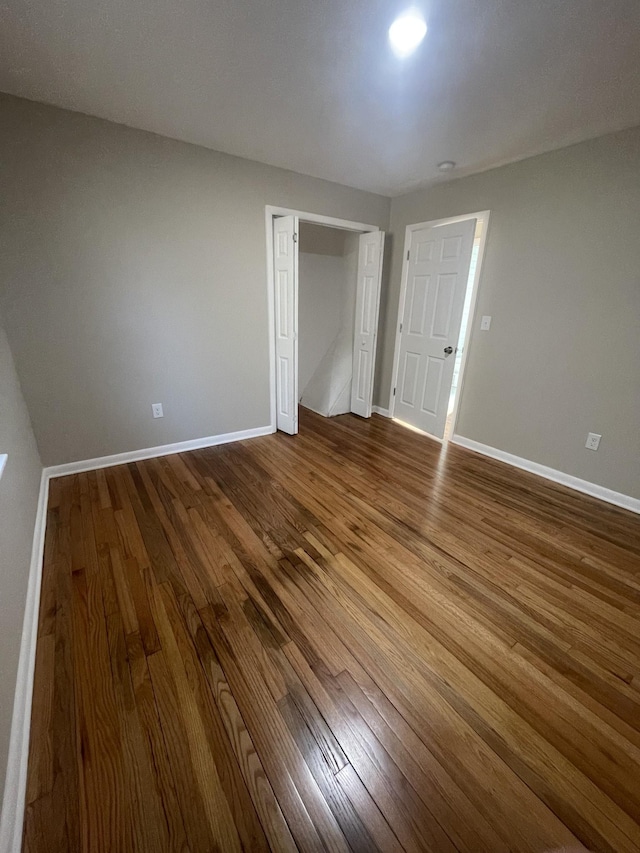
<point x="485" y="323"/>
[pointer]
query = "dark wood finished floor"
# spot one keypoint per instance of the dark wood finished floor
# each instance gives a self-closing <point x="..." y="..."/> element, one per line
<point x="347" y="640"/>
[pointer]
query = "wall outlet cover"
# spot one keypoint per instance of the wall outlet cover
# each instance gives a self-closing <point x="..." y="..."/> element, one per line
<point x="485" y="323"/>
<point x="156" y="408"/>
<point x="593" y="441"/>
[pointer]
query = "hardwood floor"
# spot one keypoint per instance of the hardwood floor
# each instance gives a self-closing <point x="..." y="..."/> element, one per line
<point x="347" y="640"/>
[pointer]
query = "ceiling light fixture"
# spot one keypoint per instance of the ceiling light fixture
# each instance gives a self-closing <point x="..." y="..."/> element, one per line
<point x="446" y="165"/>
<point x="406" y="33"/>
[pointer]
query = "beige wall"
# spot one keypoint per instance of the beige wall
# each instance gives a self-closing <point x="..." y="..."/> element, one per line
<point x="322" y="240"/>
<point x="19" y="488"/>
<point x="133" y="271"/>
<point x="561" y="280"/>
<point x="322" y="276"/>
<point x="328" y="272"/>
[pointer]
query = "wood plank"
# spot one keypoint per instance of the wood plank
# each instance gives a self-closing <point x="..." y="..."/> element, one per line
<point x="210" y="730"/>
<point x="354" y="639"/>
<point x="310" y="818"/>
<point x="369" y="813"/>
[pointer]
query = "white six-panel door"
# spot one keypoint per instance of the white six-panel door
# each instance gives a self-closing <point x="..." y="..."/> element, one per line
<point x="436" y="282"/>
<point x="366" y="322"/>
<point x="285" y="272"/>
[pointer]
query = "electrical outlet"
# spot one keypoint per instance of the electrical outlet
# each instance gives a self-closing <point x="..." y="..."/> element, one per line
<point x="485" y="323"/>
<point x="156" y="408"/>
<point x="593" y="441"/>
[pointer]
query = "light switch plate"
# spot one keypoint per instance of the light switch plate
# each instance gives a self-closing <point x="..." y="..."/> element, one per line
<point x="485" y="323"/>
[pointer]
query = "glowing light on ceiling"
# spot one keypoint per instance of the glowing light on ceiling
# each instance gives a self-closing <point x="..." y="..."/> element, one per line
<point x="406" y="33"/>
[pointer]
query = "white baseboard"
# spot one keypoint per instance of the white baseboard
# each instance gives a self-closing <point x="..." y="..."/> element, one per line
<point x="376" y="410"/>
<point x="593" y="489"/>
<point x="15" y="785"/>
<point x="13" y="804"/>
<point x="153" y="452"/>
<point x="316" y="411"/>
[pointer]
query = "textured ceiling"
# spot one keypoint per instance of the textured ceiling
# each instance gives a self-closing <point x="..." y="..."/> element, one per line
<point x="311" y="85"/>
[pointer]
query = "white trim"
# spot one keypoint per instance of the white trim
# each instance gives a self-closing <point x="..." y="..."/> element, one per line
<point x="271" y="314"/>
<point x="466" y="345"/>
<point x="593" y="489"/>
<point x="153" y="452"/>
<point x="3" y="462"/>
<point x="15" y="785"/>
<point x="13" y="805"/>
<point x="270" y="211"/>
<point x="317" y="411"/>
<point x="485" y="216"/>
<point x="378" y="410"/>
<point x="319" y="219"/>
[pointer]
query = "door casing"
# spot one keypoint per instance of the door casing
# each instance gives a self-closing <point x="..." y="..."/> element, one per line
<point x="272" y="211"/>
<point x="483" y="215"/>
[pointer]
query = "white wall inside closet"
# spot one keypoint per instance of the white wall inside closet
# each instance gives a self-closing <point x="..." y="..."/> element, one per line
<point x="327" y="290"/>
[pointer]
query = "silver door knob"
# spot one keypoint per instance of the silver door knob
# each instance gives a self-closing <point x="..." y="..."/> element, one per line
<point x="448" y="350"/>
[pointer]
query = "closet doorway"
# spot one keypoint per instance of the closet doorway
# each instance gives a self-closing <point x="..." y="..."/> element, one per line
<point x="324" y="285"/>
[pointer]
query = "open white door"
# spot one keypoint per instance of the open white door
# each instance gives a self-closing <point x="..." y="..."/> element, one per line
<point x="436" y="281"/>
<point x="366" y="322"/>
<point x="285" y="275"/>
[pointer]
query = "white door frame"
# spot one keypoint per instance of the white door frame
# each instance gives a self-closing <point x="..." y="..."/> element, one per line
<point x="484" y="215"/>
<point x="270" y="212"/>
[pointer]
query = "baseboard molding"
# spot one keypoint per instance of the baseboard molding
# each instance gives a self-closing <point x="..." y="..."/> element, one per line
<point x="15" y="785"/>
<point x="584" y="486"/>
<point x="153" y="452"/>
<point x="376" y="410"/>
<point x="13" y="804"/>
<point x="315" y="411"/>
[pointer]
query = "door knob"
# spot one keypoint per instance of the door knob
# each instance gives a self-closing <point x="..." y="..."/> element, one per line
<point x="448" y="350"/>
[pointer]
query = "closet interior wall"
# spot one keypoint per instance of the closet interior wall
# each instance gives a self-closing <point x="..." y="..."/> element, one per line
<point x="328" y="260"/>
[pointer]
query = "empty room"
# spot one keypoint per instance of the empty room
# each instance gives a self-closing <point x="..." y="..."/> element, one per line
<point x="320" y="426"/>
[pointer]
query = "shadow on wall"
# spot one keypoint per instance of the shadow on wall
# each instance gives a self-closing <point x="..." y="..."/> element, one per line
<point x="327" y="289"/>
<point x="328" y="392"/>
<point x="384" y="307"/>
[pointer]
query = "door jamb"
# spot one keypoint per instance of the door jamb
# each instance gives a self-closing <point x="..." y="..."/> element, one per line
<point x="485" y="215"/>
<point x="270" y="212"/>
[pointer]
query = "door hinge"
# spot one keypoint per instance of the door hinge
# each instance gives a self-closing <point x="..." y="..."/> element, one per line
<point x="394" y="392"/>
<point x="295" y="237"/>
<point x="408" y="253"/>
<point x="400" y="326"/>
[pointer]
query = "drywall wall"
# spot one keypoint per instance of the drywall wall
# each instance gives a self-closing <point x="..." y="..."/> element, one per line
<point x="133" y="271"/>
<point x="19" y="489"/>
<point x="328" y="390"/>
<point x="321" y="279"/>
<point x="561" y="279"/>
<point x="321" y="285"/>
